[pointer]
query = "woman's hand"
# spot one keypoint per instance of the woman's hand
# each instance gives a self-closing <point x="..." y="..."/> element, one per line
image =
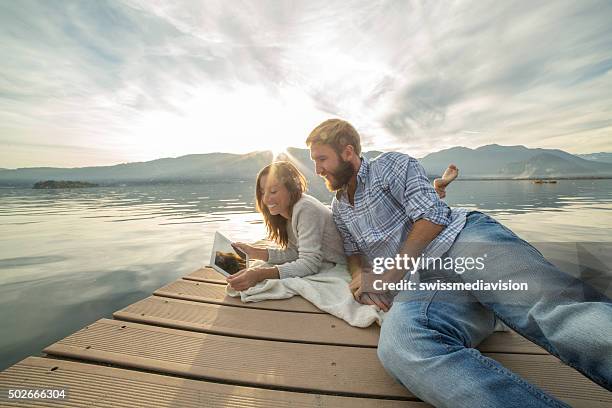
<point x="247" y="278"/>
<point x="244" y="279"/>
<point x="251" y="251"/>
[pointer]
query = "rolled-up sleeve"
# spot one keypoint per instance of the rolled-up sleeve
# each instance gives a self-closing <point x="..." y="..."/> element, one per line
<point x="410" y="185"/>
<point x="350" y="246"/>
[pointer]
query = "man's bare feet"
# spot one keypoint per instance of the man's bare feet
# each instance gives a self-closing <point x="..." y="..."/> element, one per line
<point x="449" y="175"/>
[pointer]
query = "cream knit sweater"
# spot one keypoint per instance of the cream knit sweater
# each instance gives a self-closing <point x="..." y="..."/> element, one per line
<point x="314" y="242"/>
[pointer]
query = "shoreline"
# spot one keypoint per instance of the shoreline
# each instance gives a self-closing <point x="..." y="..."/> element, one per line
<point x="217" y="181"/>
<point x="531" y="178"/>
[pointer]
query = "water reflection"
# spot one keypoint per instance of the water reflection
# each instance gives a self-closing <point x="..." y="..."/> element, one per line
<point x="524" y="195"/>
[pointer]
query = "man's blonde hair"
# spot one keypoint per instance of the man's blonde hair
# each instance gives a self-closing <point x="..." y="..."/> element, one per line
<point x="337" y="133"/>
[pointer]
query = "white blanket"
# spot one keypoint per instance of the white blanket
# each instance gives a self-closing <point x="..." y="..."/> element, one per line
<point x="328" y="290"/>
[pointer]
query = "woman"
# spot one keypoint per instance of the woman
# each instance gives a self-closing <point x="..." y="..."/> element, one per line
<point x="295" y="220"/>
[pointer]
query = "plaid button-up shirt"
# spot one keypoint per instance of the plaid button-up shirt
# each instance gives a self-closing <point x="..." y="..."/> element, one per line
<point x="392" y="193"/>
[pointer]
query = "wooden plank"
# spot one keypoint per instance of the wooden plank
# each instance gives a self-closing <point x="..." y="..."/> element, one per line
<point x="213" y="293"/>
<point x="282" y="326"/>
<point x="252" y="323"/>
<point x="93" y="385"/>
<point x="499" y="342"/>
<point x="349" y="371"/>
<point x="206" y="274"/>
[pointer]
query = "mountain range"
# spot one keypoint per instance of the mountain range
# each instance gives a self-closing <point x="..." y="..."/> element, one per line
<point x="495" y="161"/>
<point x="491" y="161"/>
<point x="598" y="157"/>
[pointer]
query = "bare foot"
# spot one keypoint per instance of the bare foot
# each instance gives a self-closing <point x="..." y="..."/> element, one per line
<point x="449" y="175"/>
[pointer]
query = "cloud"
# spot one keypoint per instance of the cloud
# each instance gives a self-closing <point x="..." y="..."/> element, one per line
<point x="515" y="78"/>
<point x="137" y="80"/>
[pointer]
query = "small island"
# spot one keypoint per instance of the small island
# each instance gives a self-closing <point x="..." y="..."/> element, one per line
<point x="62" y="184"/>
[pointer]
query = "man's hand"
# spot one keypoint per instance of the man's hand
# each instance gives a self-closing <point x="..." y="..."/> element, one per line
<point x="361" y="275"/>
<point x="362" y="278"/>
<point x="355" y="286"/>
<point x="383" y="301"/>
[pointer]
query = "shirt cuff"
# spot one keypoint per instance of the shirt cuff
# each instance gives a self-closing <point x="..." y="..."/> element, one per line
<point x="350" y="248"/>
<point x="283" y="272"/>
<point x="439" y="216"/>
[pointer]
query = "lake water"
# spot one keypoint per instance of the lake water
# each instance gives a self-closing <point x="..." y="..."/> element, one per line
<point x="70" y="257"/>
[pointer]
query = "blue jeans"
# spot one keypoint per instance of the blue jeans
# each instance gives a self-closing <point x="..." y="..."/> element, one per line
<point x="428" y="337"/>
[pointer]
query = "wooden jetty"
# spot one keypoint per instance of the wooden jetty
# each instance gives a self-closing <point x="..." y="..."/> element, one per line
<point x="190" y="345"/>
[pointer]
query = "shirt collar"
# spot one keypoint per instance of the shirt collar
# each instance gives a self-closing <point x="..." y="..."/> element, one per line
<point x="364" y="169"/>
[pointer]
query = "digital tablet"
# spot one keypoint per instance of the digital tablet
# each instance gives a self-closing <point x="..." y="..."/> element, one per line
<point x="226" y="259"/>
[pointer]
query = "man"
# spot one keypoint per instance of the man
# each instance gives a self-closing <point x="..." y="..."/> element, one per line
<point x="385" y="208"/>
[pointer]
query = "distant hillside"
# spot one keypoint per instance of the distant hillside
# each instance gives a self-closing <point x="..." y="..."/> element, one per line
<point x="486" y="161"/>
<point x="191" y="168"/>
<point x="548" y="165"/>
<point x="601" y="157"/>
<point x="514" y="162"/>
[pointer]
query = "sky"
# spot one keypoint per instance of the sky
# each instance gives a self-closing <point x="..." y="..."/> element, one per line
<point x="104" y="82"/>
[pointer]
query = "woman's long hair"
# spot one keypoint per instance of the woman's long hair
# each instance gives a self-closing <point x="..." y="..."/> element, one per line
<point x="295" y="182"/>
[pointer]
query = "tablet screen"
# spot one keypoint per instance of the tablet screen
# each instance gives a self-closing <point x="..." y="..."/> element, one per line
<point x="225" y="258"/>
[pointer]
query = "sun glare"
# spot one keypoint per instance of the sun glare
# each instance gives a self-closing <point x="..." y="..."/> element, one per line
<point x="246" y="120"/>
<point x="277" y="152"/>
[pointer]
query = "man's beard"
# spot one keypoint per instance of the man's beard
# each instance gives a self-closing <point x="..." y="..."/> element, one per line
<point x="341" y="176"/>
